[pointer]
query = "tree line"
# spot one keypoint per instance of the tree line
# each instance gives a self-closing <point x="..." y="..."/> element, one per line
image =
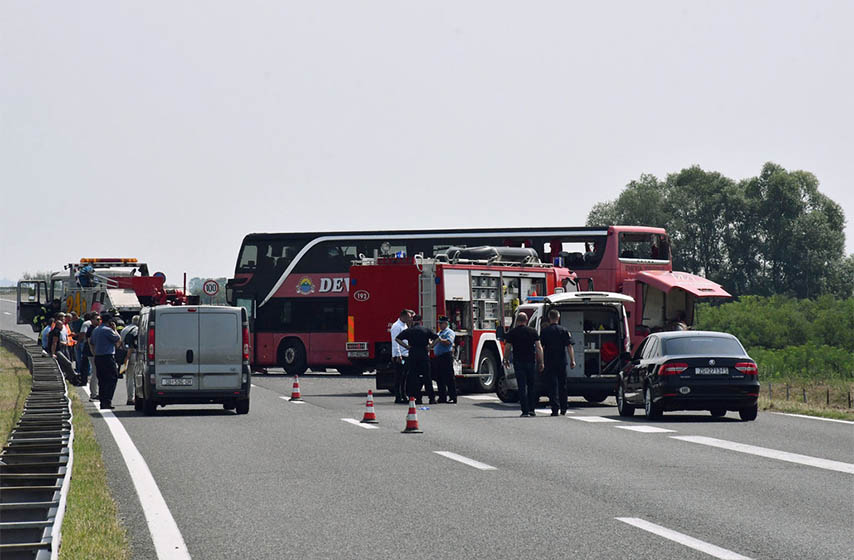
<point x="766" y="235"/>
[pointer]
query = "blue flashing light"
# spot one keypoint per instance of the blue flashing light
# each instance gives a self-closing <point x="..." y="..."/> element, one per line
<point x="535" y="299"/>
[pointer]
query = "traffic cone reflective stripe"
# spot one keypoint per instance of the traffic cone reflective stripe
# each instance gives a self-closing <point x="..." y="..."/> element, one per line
<point x="411" y="419"/>
<point x="295" y="394"/>
<point x="370" y="416"/>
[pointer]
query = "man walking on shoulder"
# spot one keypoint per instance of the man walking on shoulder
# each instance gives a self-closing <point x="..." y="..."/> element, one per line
<point x="557" y="342"/>
<point x="524" y="343"/>
<point x="105" y="340"/>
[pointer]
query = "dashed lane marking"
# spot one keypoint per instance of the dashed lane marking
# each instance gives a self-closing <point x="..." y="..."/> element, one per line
<point x="645" y="429"/>
<point x="357" y="423"/>
<point x="168" y="542"/>
<point x="771" y="453"/>
<point x="683" y="539"/>
<point x="465" y="460"/>
<point x="6" y="313"/>
<point x="814" y="417"/>
<point x="594" y="419"/>
<point x="288" y="399"/>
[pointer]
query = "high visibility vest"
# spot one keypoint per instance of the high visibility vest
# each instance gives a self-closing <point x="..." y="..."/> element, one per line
<point x="69" y="336"/>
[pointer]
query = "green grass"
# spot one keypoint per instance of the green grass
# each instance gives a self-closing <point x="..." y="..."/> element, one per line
<point x="92" y="528"/>
<point x="15" y="383"/>
<point x="828" y="398"/>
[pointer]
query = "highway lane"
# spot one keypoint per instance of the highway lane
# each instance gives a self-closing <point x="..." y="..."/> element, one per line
<point x="8" y="316"/>
<point x="294" y="479"/>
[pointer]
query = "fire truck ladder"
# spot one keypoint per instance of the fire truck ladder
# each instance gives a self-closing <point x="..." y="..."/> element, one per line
<point x="427" y="293"/>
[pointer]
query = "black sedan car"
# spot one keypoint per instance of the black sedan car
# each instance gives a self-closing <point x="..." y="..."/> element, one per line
<point x="689" y="370"/>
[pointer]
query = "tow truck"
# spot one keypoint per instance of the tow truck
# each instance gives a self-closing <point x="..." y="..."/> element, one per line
<point x="95" y="284"/>
<point x="477" y="294"/>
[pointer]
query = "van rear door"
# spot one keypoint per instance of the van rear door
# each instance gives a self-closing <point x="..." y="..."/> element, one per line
<point x="220" y="348"/>
<point x="177" y="348"/>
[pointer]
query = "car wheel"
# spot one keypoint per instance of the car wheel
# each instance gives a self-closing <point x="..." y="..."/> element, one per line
<point x="487" y="371"/>
<point x="651" y="409"/>
<point x="242" y="406"/>
<point x="505" y="394"/>
<point x="595" y="397"/>
<point x="718" y="412"/>
<point x="149" y="407"/>
<point x="623" y="408"/>
<point x="748" y="414"/>
<point x="137" y="404"/>
<point x="291" y="356"/>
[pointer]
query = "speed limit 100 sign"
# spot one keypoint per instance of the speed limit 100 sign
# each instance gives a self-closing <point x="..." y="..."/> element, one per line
<point x="210" y="287"/>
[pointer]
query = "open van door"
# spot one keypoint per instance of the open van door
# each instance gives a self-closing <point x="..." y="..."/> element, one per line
<point x="32" y="295"/>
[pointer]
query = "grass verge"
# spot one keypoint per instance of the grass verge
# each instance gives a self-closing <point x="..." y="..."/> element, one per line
<point x="825" y="398"/>
<point x="92" y="528"/>
<point x="15" y="383"/>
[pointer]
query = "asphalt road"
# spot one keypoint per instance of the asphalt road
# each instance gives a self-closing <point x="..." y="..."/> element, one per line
<point x="294" y="480"/>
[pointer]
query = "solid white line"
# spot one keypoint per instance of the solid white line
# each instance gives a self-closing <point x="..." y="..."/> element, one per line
<point x="645" y="429"/>
<point x="594" y="419"/>
<point x="548" y="411"/>
<point x="357" y="423"/>
<point x="465" y="460"/>
<point x="289" y="400"/>
<point x="481" y="397"/>
<point x="814" y="417"/>
<point x="168" y="541"/>
<point x="6" y="313"/>
<point x="771" y="453"/>
<point x="683" y="539"/>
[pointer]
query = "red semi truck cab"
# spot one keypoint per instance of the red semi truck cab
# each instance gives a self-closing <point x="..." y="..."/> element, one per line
<point x="476" y="295"/>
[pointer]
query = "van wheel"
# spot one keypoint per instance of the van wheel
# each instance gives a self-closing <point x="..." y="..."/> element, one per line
<point x="242" y="406"/>
<point x="149" y="407"/>
<point x="229" y="405"/>
<point x="595" y="397"/>
<point x="291" y="356"/>
<point x="487" y="372"/>
<point x="505" y="394"/>
<point x="137" y="404"/>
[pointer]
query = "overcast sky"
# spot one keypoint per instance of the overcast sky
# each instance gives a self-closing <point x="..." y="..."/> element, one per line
<point x="169" y="130"/>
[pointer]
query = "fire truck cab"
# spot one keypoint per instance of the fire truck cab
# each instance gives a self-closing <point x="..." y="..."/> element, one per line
<point x="601" y="336"/>
<point x="477" y="294"/>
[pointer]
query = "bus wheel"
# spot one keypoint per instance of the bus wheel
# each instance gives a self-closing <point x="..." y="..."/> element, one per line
<point x="487" y="372"/>
<point x="291" y="356"/>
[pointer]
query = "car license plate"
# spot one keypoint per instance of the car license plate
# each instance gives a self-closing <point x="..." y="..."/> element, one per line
<point x="711" y="370"/>
<point x="179" y="381"/>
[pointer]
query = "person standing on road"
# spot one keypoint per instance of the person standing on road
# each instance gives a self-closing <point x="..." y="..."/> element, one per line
<point x="399" y="355"/>
<point x="416" y="339"/>
<point x="524" y="343"/>
<point x="129" y="337"/>
<point x="556" y="342"/>
<point x="83" y="347"/>
<point x="93" y="369"/>
<point x="105" y="340"/>
<point x="45" y="335"/>
<point x="443" y="348"/>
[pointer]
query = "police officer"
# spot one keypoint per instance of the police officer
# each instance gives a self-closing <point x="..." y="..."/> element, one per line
<point x="417" y="339"/>
<point x="556" y="342"/>
<point x="443" y="348"/>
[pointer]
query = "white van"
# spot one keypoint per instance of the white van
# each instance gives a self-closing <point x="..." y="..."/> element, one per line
<point x="192" y="354"/>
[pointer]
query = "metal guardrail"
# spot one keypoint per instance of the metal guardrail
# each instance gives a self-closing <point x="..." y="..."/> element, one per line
<point x="35" y="464"/>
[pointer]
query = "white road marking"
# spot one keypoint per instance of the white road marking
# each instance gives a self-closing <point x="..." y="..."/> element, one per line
<point x="289" y="400"/>
<point x="814" y="417"/>
<point x="6" y="313"/>
<point x="594" y="419"/>
<point x="683" y="539"/>
<point x="253" y="385"/>
<point x="645" y="429"/>
<point x="771" y="453"/>
<point x="168" y="541"/>
<point x="357" y="423"/>
<point x="481" y="398"/>
<point x="465" y="460"/>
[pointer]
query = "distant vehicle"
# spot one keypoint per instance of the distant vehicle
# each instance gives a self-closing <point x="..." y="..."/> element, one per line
<point x="689" y="370"/>
<point x="192" y="355"/>
<point x="601" y="342"/>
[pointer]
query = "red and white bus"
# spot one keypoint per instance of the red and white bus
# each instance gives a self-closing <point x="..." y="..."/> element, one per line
<point x="295" y="285"/>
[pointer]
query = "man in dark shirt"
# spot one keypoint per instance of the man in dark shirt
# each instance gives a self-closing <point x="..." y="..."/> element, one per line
<point x="556" y="342"/>
<point x="416" y="339"/>
<point x="524" y="343"/>
<point x="57" y="338"/>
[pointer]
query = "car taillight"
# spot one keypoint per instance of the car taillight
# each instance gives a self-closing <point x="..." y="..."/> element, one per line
<point x="245" y="344"/>
<point x="747" y="368"/>
<point x="151" y="343"/>
<point x="672" y="368"/>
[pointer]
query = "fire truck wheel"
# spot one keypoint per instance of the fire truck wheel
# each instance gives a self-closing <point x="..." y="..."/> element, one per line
<point x="291" y="356"/>
<point x="487" y="371"/>
<point x="505" y="394"/>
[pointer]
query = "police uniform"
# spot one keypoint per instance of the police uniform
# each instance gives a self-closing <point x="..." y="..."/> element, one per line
<point x="445" y="363"/>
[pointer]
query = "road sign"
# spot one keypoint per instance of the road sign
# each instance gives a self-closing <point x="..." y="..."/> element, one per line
<point x="210" y="288"/>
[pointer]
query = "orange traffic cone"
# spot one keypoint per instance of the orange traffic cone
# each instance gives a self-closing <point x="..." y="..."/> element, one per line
<point x="370" y="416"/>
<point x="295" y="394"/>
<point x="411" y="419"/>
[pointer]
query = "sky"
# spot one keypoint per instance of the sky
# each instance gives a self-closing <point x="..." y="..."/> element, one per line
<point x="166" y="131"/>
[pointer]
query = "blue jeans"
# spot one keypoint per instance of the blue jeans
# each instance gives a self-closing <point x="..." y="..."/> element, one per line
<point x="526" y="379"/>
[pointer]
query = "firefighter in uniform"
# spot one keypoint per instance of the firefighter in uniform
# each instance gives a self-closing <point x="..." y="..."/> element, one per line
<point x="417" y="339"/>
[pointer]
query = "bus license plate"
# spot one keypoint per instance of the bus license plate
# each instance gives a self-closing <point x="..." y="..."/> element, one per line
<point x="711" y="370"/>
<point x="178" y="381"/>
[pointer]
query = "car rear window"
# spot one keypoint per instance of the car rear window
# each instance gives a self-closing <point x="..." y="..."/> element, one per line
<point x="705" y="345"/>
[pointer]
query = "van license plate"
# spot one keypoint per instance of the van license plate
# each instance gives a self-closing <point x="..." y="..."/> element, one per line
<point x="178" y="381"/>
<point x="711" y="370"/>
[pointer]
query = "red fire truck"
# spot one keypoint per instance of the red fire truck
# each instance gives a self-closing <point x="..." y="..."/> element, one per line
<point x="477" y="294"/>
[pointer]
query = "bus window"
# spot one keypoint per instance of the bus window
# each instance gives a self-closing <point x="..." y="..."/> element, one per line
<point x="328" y="315"/>
<point x="248" y="258"/>
<point x="647" y="246"/>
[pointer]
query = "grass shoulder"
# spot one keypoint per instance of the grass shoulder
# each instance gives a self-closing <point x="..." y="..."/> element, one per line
<point x="813" y="396"/>
<point x="15" y="385"/>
